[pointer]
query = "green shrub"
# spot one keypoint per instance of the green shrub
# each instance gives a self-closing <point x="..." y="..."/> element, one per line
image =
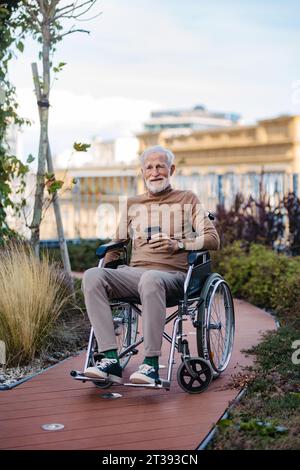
<point x="267" y="417"/>
<point x="260" y="275"/>
<point x="82" y="255"/>
<point x="286" y="291"/>
<point x="267" y="269"/>
<point x="233" y="264"/>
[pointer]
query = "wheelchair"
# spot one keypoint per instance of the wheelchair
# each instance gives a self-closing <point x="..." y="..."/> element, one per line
<point x="208" y="306"/>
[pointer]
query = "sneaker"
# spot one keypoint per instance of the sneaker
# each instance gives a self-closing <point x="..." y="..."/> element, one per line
<point x="105" y="369"/>
<point x="145" y="375"/>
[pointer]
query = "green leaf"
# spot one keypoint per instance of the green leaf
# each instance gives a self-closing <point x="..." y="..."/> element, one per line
<point x="55" y="186"/>
<point x="59" y="67"/>
<point x="225" y="423"/>
<point x="30" y="158"/>
<point x="79" y="147"/>
<point x="20" y="46"/>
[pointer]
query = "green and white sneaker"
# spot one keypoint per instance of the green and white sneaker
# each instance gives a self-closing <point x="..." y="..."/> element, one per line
<point x="145" y="375"/>
<point x="108" y="369"/>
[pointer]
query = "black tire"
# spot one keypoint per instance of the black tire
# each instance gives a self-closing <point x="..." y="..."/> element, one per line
<point x="202" y="379"/>
<point x="216" y="324"/>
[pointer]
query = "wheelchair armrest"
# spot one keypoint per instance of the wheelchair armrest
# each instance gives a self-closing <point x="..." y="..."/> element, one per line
<point x="103" y="249"/>
<point x="198" y="257"/>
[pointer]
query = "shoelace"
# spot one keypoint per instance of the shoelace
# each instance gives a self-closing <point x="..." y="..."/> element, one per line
<point x="146" y="369"/>
<point x="106" y="361"/>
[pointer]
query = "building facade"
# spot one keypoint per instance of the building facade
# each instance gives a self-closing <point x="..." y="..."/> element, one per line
<point x="214" y="163"/>
<point x="193" y="119"/>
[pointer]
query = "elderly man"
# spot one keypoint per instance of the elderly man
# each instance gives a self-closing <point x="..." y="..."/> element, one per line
<point x="164" y="224"/>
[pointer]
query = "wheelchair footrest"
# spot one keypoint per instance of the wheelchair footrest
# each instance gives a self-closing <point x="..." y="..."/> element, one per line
<point x="164" y="384"/>
<point x="80" y="376"/>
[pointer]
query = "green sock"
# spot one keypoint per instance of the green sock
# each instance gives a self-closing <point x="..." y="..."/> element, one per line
<point x="152" y="361"/>
<point x="111" y="354"/>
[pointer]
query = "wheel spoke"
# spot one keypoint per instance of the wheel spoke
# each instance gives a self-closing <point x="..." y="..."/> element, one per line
<point x="126" y="326"/>
<point x="219" y="325"/>
<point x="217" y="339"/>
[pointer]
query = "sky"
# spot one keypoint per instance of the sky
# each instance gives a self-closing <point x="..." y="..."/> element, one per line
<point x="141" y="55"/>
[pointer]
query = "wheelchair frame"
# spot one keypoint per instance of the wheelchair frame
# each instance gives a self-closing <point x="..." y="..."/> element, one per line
<point x="200" y="288"/>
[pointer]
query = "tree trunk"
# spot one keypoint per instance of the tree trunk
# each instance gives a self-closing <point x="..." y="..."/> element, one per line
<point x="59" y="225"/>
<point x="43" y="146"/>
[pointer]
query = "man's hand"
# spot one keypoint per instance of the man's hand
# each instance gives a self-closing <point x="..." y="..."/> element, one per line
<point x="162" y="243"/>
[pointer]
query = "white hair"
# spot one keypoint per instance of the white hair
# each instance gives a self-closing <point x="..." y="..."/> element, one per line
<point x="158" y="149"/>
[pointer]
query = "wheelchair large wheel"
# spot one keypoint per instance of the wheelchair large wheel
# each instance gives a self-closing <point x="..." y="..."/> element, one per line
<point x="126" y="326"/>
<point x="215" y="324"/>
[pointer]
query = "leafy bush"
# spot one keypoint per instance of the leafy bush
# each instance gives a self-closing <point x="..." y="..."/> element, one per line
<point x="82" y="255"/>
<point x="232" y="263"/>
<point x="269" y="272"/>
<point x="292" y="205"/>
<point x="251" y="220"/>
<point x="259" y="221"/>
<point x="286" y="301"/>
<point x="33" y="295"/>
<point x="267" y="417"/>
<point x="260" y="275"/>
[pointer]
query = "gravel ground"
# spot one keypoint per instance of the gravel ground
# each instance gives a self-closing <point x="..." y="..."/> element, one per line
<point x="9" y="376"/>
<point x="12" y="375"/>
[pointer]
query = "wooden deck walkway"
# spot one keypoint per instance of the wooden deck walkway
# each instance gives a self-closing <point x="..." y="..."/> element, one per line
<point x="141" y="419"/>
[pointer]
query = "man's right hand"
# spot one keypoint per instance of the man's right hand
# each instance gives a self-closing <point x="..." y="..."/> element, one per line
<point x="161" y="243"/>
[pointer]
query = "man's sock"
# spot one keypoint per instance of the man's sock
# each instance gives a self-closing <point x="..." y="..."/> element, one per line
<point x="152" y="361"/>
<point x="111" y="354"/>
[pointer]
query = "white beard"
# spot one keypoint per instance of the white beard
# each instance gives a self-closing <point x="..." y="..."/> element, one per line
<point x="158" y="186"/>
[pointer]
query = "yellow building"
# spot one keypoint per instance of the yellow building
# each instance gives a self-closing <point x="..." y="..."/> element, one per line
<point x="272" y="144"/>
<point x="214" y="163"/>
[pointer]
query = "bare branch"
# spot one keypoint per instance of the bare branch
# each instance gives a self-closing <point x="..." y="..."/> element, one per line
<point x="69" y="7"/>
<point x="74" y="7"/>
<point x="74" y="31"/>
<point x="91" y="18"/>
<point x="86" y="10"/>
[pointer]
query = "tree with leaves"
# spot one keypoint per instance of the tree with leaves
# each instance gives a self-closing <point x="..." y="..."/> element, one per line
<point x="47" y="21"/>
<point x="10" y="166"/>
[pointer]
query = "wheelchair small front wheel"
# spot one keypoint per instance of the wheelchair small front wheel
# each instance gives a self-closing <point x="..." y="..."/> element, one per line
<point x="194" y="375"/>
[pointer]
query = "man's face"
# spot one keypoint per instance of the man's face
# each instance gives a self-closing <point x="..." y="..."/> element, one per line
<point x="156" y="172"/>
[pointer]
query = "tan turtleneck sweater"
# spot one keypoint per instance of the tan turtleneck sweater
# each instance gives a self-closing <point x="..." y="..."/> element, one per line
<point x="172" y="212"/>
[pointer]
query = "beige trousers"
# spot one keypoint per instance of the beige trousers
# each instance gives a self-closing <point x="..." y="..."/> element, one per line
<point x="152" y="286"/>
